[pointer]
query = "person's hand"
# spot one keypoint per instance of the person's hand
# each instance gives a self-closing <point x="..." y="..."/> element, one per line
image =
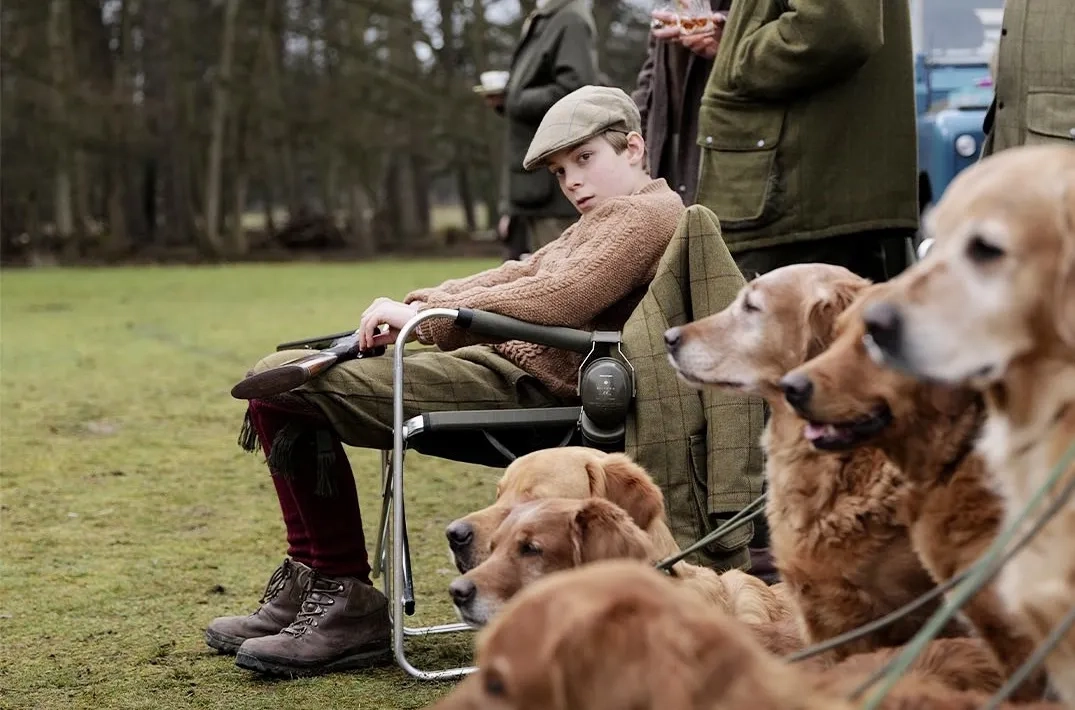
<point x="384" y="311"/>
<point x="705" y="44"/>
<point x="664" y="25"/>
<point x="502" y="227"/>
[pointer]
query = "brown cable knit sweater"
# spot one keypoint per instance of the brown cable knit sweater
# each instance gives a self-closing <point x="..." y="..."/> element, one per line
<point x="590" y="278"/>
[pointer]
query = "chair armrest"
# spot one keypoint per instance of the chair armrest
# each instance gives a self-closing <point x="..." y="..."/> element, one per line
<point x="494" y="325"/>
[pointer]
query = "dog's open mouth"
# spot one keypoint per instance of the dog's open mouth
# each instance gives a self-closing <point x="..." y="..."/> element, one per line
<point x="847" y="434"/>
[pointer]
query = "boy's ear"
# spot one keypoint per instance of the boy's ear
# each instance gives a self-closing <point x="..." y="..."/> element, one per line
<point x="636" y="149"/>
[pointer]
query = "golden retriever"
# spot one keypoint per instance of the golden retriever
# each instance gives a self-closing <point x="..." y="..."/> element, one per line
<point x="928" y="430"/>
<point x="553" y="534"/>
<point x="992" y="306"/>
<point x="565" y="472"/>
<point x="617" y="634"/>
<point x="837" y="535"/>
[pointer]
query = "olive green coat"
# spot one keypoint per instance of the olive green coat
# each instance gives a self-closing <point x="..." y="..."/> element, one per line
<point x="807" y="124"/>
<point x="1035" y="86"/>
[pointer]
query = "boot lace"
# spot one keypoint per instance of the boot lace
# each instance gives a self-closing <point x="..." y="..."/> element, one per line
<point x="277" y="582"/>
<point x="318" y="594"/>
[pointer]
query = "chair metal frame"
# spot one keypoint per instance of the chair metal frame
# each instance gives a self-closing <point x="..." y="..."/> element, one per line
<point x="393" y="545"/>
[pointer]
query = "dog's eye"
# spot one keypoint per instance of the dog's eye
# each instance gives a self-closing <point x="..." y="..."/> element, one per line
<point x="528" y="549"/>
<point x="980" y="251"/>
<point x="749" y="306"/>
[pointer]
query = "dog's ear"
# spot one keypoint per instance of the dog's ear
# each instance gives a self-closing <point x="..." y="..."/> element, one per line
<point x="825" y="308"/>
<point x="629" y="486"/>
<point x="601" y="530"/>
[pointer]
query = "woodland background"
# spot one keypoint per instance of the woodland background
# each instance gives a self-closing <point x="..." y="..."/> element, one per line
<point x="209" y="130"/>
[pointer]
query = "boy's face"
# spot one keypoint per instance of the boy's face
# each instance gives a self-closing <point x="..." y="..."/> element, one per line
<point x="591" y="172"/>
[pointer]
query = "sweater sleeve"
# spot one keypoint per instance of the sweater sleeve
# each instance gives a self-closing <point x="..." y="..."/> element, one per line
<point x="814" y="44"/>
<point x="504" y="273"/>
<point x="622" y="246"/>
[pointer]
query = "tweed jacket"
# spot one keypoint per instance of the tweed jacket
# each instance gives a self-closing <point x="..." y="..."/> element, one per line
<point x="702" y="447"/>
<point x="1035" y="84"/>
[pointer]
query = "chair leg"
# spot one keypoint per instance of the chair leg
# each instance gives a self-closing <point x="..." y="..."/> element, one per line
<point x="382" y="523"/>
<point x="399" y="586"/>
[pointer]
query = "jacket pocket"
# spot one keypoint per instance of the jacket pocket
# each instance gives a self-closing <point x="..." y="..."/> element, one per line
<point x="530" y="189"/>
<point x="743" y="181"/>
<point x="1050" y="116"/>
<point x="731" y="542"/>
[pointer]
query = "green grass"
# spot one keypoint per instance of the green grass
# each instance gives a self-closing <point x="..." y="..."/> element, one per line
<point x="129" y="515"/>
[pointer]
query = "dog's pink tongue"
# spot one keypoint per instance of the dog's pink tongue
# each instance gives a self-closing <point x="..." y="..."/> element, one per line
<point x="813" y="431"/>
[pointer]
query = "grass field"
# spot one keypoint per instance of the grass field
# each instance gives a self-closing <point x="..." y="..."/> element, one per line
<point x="129" y="517"/>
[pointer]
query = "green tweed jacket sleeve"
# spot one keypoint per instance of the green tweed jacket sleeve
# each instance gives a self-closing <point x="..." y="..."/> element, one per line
<point x="701" y="447"/>
<point x="812" y="44"/>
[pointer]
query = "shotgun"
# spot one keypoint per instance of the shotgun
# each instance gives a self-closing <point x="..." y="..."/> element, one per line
<point x="326" y="351"/>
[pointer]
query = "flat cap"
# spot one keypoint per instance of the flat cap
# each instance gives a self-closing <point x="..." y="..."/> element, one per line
<point x="578" y="117"/>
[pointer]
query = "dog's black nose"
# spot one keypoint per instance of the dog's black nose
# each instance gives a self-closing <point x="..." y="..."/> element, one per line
<point x="671" y="339"/>
<point x="460" y="534"/>
<point x="884" y="324"/>
<point x="797" y="389"/>
<point x="462" y="591"/>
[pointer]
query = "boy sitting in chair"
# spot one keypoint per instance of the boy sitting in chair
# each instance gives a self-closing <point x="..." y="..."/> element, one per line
<point x="320" y="612"/>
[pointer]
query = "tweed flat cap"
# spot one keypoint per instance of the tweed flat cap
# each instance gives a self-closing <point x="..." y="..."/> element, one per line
<point x="578" y="117"/>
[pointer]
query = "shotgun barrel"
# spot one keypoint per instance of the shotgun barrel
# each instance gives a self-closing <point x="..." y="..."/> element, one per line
<point x="288" y="376"/>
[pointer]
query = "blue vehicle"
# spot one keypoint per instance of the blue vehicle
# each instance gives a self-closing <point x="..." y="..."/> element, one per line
<point x="953" y="42"/>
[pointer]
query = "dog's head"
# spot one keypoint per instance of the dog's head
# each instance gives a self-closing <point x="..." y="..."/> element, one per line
<point x="619" y="635"/>
<point x="776" y="322"/>
<point x="848" y="399"/>
<point x="998" y="284"/>
<point x="567" y="472"/>
<point x="542" y="537"/>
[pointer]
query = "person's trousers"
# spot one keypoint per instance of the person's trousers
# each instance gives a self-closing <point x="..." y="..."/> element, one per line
<point x="301" y="433"/>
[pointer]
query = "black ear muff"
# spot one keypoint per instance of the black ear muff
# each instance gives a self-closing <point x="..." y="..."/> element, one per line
<point x="606" y="388"/>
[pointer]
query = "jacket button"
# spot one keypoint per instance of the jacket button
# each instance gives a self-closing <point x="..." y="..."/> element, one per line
<point x="1072" y="134"/>
<point x="683" y="188"/>
<point x="1004" y="32"/>
<point x="708" y="139"/>
<point x="761" y="143"/>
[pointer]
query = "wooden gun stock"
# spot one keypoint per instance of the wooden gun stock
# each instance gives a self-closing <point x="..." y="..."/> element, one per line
<point x="290" y="375"/>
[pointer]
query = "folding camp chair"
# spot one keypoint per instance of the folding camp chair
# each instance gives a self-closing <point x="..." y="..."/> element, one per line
<point x="491" y="438"/>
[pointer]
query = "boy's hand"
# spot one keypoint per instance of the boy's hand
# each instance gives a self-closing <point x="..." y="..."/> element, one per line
<point x="384" y="311"/>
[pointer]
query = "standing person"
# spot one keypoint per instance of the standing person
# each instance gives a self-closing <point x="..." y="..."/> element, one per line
<point x="556" y="55"/>
<point x="808" y="135"/>
<point x="669" y="92"/>
<point x="1035" y="76"/>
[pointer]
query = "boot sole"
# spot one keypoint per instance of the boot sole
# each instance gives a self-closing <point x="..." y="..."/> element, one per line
<point x="372" y="655"/>
<point x="226" y="645"/>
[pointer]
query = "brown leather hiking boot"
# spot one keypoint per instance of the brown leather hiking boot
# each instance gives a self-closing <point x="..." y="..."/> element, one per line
<point x="279" y="605"/>
<point x="342" y="625"/>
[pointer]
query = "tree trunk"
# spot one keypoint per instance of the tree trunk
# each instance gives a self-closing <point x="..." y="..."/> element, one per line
<point x="221" y="89"/>
<point x="63" y="199"/>
<point x="116" y="238"/>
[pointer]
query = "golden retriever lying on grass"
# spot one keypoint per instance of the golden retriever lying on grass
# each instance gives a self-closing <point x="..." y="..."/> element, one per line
<point x="566" y="472"/>
<point x="929" y="431"/>
<point x="993" y="307"/>
<point x="616" y="635"/>
<point x="545" y="536"/>
<point x="836" y="531"/>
